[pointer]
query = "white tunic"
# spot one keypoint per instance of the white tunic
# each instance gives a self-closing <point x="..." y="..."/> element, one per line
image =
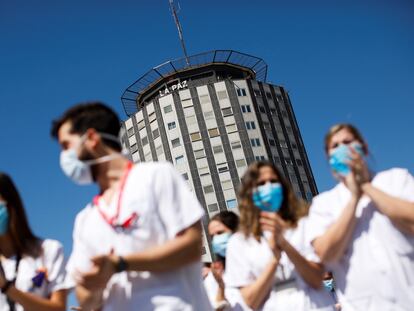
<point x="165" y="206"/>
<point x="247" y="258"/>
<point x="51" y="259"/>
<point x="377" y="270"/>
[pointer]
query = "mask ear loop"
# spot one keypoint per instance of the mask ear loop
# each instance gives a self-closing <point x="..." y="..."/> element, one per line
<point x="108" y="157"/>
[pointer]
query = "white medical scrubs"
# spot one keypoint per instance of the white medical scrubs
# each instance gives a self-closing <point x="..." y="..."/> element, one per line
<point x="164" y="206"/>
<point x="50" y="261"/>
<point x="376" y="271"/>
<point x="247" y="258"/>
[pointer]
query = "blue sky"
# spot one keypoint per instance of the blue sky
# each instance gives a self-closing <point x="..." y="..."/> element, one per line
<point x="345" y="61"/>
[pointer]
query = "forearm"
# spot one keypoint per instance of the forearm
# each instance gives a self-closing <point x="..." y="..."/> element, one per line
<point x="331" y="246"/>
<point x="182" y="250"/>
<point x="400" y="212"/>
<point x="311" y="272"/>
<point x="255" y="293"/>
<point x="89" y="300"/>
<point x="31" y="302"/>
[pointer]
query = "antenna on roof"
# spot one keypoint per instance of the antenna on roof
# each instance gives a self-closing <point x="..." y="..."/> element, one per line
<point x="174" y="12"/>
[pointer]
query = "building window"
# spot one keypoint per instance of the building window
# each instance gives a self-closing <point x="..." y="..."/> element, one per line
<point x="180" y="159"/>
<point x="144" y="141"/>
<point x="217" y="149"/>
<point x="241" y="92"/>
<point x="209" y="115"/>
<point x="155" y="133"/>
<point x="277" y="160"/>
<point x="213" y="207"/>
<point x="283" y="143"/>
<point x="231" y="128"/>
<point x="214" y="132"/>
<point x="190" y="120"/>
<point x="195" y="136"/>
<point x="255" y="142"/>
<point x="151" y="117"/>
<point x="250" y="125"/>
<point x="203" y="171"/>
<point x="208" y="189"/>
<point x="175" y="142"/>
<point x="266" y="125"/>
<point x="260" y="158"/>
<point x="279" y="98"/>
<point x="272" y="111"/>
<point x="294" y="146"/>
<point x="134" y="148"/>
<point x="172" y="125"/>
<point x="130" y="132"/>
<point x="141" y="125"/>
<point x="240" y="163"/>
<point x="222" y="167"/>
<point x="167" y="109"/>
<point x="257" y="93"/>
<point x="221" y="95"/>
<point x="226" y="185"/>
<point x="288" y="128"/>
<point x="159" y="150"/>
<point x="186" y="102"/>
<point x="284" y="114"/>
<point x="288" y="161"/>
<point x="299" y="162"/>
<point x="231" y="203"/>
<point x="268" y="95"/>
<point x="185" y="176"/>
<point x="235" y="145"/>
<point x="204" y="99"/>
<point x="272" y="142"/>
<point x="262" y="109"/>
<point x="227" y="111"/>
<point x="199" y="153"/>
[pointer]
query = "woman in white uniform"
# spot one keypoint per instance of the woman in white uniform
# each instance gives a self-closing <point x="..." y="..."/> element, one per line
<point x="269" y="259"/>
<point x="220" y="229"/>
<point x="363" y="228"/>
<point x="31" y="269"/>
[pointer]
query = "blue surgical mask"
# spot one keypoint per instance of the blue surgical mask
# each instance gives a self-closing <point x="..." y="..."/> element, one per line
<point x="268" y="197"/>
<point x="329" y="285"/>
<point x="80" y="171"/>
<point x="219" y="243"/>
<point x="4" y="219"/>
<point x="341" y="155"/>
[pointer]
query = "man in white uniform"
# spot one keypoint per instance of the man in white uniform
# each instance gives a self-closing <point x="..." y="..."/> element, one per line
<point x="137" y="245"/>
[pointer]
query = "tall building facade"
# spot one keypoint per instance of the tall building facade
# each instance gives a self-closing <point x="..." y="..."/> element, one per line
<point x="211" y="117"/>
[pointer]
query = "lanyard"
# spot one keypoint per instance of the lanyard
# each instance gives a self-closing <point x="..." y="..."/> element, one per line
<point x="113" y="221"/>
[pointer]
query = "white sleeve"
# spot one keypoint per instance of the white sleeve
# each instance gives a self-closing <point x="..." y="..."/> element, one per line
<point x="238" y="271"/>
<point x="177" y="206"/>
<point x="79" y="260"/>
<point x="305" y="248"/>
<point x="55" y="262"/>
<point x="406" y="185"/>
<point x="319" y="219"/>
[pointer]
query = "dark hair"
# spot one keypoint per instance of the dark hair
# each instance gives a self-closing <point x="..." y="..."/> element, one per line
<point x="88" y="115"/>
<point x="23" y="239"/>
<point x="291" y="210"/>
<point x="227" y="218"/>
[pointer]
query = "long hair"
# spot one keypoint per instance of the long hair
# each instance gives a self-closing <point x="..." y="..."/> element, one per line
<point x="291" y="210"/>
<point x="23" y="239"/>
<point x="350" y="128"/>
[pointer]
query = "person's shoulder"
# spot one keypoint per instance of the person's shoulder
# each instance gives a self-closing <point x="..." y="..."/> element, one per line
<point x="238" y="238"/>
<point x="150" y="169"/>
<point x="51" y="247"/>
<point x="394" y="172"/>
<point x="327" y="196"/>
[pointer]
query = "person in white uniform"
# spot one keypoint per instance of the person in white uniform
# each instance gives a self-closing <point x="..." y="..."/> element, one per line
<point x="32" y="270"/>
<point x="137" y="245"/>
<point x="270" y="259"/>
<point x="363" y="228"/>
<point x="220" y="229"/>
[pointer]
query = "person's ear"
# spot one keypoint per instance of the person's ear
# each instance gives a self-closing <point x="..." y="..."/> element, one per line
<point x="92" y="138"/>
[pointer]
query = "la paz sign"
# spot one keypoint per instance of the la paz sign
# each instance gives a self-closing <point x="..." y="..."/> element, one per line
<point x="175" y="87"/>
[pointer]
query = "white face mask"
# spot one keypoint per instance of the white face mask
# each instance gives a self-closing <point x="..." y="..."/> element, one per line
<point x="80" y="171"/>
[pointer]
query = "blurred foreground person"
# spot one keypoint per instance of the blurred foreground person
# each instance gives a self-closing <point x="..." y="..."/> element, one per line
<point x="32" y="270"/>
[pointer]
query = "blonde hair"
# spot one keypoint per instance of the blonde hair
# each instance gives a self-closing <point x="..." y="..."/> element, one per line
<point x="350" y="128"/>
<point x="291" y="210"/>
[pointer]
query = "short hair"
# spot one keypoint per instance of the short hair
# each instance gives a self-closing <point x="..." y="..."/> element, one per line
<point x="227" y="218"/>
<point x="23" y="239"/>
<point x="350" y="128"/>
<point x="88" y="115"/>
